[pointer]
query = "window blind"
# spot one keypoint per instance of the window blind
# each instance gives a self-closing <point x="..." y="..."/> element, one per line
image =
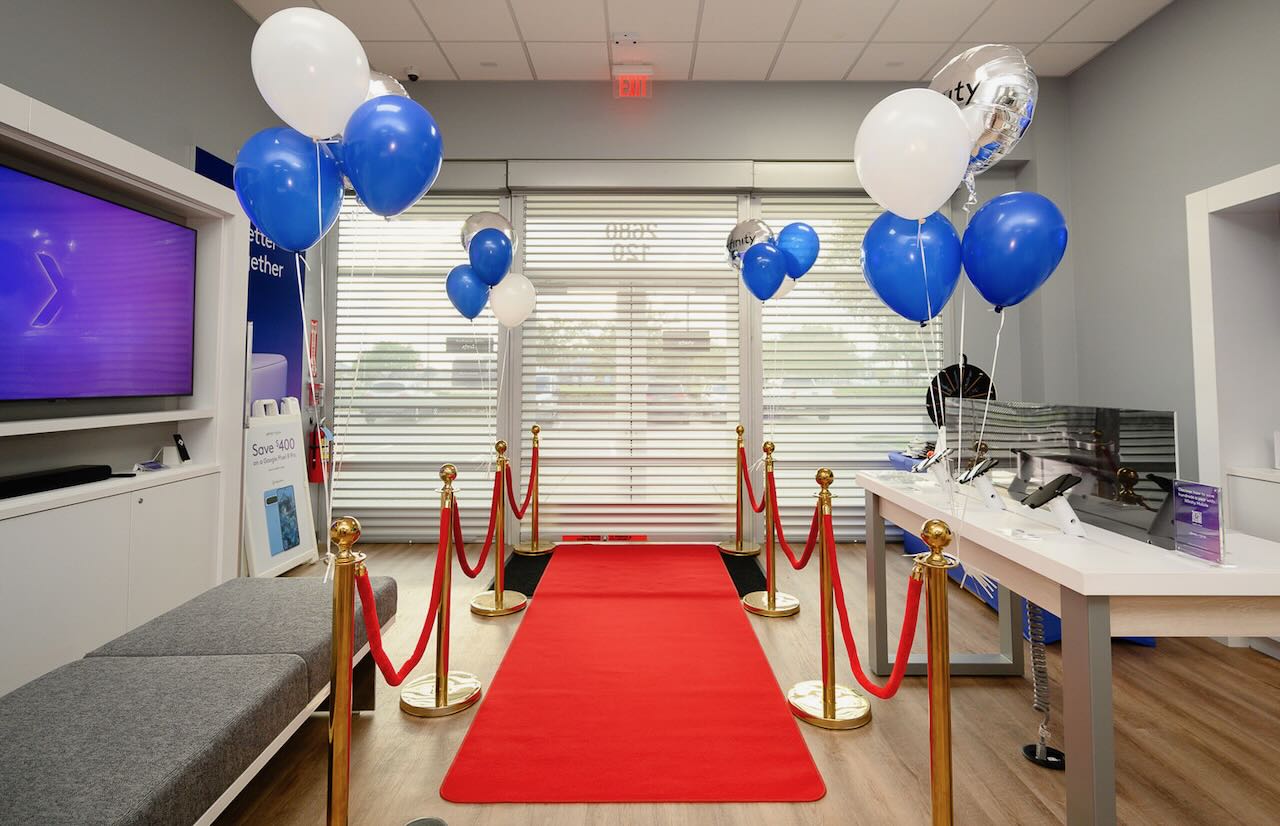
<point x="414" y="382"/>
<point x="631" y="362"/>
<point x="844" y="376"/>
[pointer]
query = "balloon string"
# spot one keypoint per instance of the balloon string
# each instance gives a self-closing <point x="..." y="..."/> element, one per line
<point x="928" y="302"/>
<point x="982" y="432"/>
<point x="349" y="402"/>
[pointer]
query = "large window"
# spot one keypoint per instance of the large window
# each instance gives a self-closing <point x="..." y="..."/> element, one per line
<point x="415" y="383"/>
<point x="631" y="362"/>
<point x="844" y="376"/>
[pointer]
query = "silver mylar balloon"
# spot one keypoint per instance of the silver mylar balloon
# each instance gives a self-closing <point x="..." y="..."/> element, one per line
<point x="744" y="235"/>
<point x="997" y="92"/>
<point x="486" y="220"/>
<point x="380" y="84"/>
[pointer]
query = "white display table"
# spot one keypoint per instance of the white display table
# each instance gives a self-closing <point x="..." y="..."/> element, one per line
<point x="1100" y="584"/>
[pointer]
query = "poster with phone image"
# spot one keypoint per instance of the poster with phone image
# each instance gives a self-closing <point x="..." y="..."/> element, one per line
<point x="279" y="529"/>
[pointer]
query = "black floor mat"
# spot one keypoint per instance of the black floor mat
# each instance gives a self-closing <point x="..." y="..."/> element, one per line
<point x="745" y="572"/>
<point x="523" y="573"/>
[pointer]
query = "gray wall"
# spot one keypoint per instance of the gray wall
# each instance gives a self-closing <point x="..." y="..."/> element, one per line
<point x="165" y="74"/>
<point x="1186" y="101"/>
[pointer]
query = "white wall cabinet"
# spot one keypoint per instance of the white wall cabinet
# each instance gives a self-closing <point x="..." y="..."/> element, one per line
<point x="80" y="575"/>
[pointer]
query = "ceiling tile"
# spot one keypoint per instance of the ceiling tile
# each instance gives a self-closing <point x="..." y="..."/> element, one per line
<point x="654" y="20"/>
<point x="1022" y="20"/>
<point x="570" y="61"/>
<point x="814" y="61"/>
<point x="832" y="20"/>
<point x="670" y="61"/>
<point x="732" y="61"/>
<point x="484" y="21"/>
<point x="561" y="20"/>
<point x="1101" y="20"/>
<point x="896" y="61"/>
<point x="393" y="58"/>
<point x="385" y="20"/>
<point x="470" y="59"/>
<point x="1060" y="59"/>
<point x="929" y="21"/>
<point x="960" y="48"/>
<point x="745" y="21"/>
<point x="260" y="10"/>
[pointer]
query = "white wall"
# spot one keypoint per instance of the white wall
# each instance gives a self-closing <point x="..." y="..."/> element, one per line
<point x="165" y="74"/>
<point x="1186" y="101"/>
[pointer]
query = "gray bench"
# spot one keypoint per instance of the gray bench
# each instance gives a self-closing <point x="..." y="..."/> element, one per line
<point x="166" y="724"/>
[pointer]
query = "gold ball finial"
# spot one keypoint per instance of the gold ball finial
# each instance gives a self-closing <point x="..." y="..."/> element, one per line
<point x="448" y="473"/>
<point x="345" y="531"/>
<point x="936" y="534"/>
<point x="501" y="446"/>
<point x="535" y="430"/>
<point x="741" y="430"/>
<point x="824" y="477"/>
<point x="768" y="447"/>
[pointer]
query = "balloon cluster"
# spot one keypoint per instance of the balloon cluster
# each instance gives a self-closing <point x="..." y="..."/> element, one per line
<point x="771" y="264"/>
<point x="313" y="73"/>
<point x="489" y="241"/>
<point x="913" y="151"/>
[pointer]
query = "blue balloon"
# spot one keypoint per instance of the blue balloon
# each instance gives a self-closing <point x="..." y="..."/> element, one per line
<point x="1012" y="245"/>
<point x="288" y="187"/>
<point x="763" y="268"/>
<point x="391" y="151"/>
<point x="913" y="288"/>
<point x="799" y="245"/>
<point x="490" y="254"/>
<point x="466" y="291"/>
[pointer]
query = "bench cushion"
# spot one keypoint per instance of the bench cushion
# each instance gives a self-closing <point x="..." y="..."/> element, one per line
<point x="149" y="740"/>
<point x="289" y="615"/>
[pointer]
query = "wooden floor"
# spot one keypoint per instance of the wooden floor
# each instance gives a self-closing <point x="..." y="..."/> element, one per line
<point x="1197" y="732"/>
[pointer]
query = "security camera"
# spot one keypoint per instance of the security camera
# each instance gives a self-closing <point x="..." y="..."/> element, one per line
<point x="411" y="72"/>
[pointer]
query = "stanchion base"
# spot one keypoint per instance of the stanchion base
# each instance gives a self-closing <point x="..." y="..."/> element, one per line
<point x="852" y="709"/>
<point x="730" y="546"/>
<point x="1053" y="758"/>
<point x="531" y="549"/>
<point x="419" y="697"/>
<point x="426" y="821"/>
<point x="485" y="605"/>
<point x="784" y="605"/>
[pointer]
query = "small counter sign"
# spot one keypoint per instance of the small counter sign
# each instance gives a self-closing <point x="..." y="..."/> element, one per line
<point x="1197" y="522"/>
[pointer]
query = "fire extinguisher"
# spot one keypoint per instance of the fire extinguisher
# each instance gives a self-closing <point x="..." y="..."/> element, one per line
<point x="315" y="454"/>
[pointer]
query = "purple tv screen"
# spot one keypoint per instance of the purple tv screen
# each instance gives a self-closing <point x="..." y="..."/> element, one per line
<point x="96" y="299"/>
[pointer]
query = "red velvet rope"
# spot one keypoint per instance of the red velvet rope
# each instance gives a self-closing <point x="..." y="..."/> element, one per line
<point x="905" y="640"/>
<point x="528" y="493"/>
<point x="373" y="631"/>
<point x="746" y="475"/>
<point x="473" y="572"/>
<point x="810" y="545"/>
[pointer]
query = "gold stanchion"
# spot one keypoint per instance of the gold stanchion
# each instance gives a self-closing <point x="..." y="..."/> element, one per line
<point x="535" y="546"/>
<point x="499" y="602"/>
<point x="344" y="533"/>
<point x="770" y="602"/>
<point x="735" y="546"/>
<point x="933" y="567"/>
<point x="444" y="692"/>
<point x="824" y="703"/>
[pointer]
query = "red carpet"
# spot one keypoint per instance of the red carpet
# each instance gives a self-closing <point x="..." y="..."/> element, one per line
<point x="635" y="676"/>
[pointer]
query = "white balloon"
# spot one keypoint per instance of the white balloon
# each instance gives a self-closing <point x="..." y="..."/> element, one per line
<point x="911" y="152"/>
<point x="310" y="69"/>
<point x="788" y="284"/>
<point x="513" y="299"/>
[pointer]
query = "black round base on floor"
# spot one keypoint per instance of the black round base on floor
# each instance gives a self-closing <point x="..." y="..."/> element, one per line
<point x="426" y="821"/>
<point x="1053" y="758"/>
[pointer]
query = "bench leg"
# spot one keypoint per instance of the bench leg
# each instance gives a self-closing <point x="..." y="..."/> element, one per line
<point x="364" y="682"/>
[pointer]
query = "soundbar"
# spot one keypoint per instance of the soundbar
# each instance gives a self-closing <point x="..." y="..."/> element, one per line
<point x="39" y="481"/>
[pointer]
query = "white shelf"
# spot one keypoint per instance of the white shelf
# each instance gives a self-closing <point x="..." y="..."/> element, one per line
<point x="21" y="505"/>
<point x="29" y="427"/>
<point x="1262" y="474"/>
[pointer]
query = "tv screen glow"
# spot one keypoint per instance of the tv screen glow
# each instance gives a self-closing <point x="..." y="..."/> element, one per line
<point x="96" y="300"/>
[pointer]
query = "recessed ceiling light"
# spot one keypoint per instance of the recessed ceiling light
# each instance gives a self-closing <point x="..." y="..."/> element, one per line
<point x="489" y="64"/>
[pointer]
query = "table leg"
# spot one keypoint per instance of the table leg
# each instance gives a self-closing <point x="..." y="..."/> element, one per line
<point x="1009" y="615"/>
<point x="877" y="610"/>
<point x="1087" y="711"/>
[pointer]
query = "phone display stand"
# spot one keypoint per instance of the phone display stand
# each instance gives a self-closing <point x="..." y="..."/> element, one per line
<point x="942" y="475"/>
<point x="987" y="491"/>
<point x="1066" y="516"/>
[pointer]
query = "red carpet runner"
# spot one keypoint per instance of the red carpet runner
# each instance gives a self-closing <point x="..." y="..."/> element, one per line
<point x="634" y="677"/>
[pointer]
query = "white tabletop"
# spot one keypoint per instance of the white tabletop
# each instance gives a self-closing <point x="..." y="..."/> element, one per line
<point x="1100" y="563"/>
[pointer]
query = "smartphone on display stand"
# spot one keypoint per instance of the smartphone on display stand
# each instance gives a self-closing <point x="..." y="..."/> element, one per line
<point x="1051" y="489"/>
<point x="977" y="470"/>
<point x="938" y="456"/>
<point x="282" y="519"/>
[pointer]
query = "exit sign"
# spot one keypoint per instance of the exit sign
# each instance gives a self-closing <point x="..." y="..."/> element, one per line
<point x="632" y="86"/>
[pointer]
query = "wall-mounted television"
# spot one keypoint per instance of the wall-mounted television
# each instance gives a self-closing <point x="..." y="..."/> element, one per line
<point x="97" y="300"/>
